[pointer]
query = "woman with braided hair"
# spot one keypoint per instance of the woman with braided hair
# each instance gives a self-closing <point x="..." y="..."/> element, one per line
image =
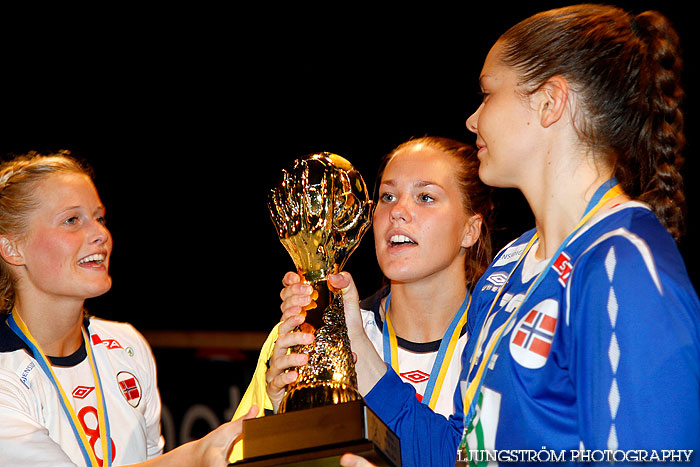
<point x="587" y="328"/>
<point x="74" y="389"/>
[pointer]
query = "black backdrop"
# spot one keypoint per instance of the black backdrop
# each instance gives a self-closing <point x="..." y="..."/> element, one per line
<point x="188" y="115"/>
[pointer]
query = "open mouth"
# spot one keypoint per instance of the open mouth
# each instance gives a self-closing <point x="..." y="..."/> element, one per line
<point x="398" y="240"/>
<point x="96" y="259"/>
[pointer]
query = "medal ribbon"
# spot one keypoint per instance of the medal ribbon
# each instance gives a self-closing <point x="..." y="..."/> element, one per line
<point x="444" y="354"/>
<point x="603" y="194"/>
<point x="21" y="329"/>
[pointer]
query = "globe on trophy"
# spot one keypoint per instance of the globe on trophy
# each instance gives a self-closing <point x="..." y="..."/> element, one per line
<point x="321" y="210"/>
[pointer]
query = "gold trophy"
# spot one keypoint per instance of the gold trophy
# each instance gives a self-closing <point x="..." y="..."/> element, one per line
<point x="321" y="210"/>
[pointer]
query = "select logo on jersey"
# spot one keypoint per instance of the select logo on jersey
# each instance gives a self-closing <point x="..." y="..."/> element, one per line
<point x="562" y="266"/>
<point x="81" y="392"/>
<point x="531" y="340"/>
<point x="511" y="254"/>
<point x="415" y="376"/>
<point x="109" y="343"/>
<point x="130" y="387"/>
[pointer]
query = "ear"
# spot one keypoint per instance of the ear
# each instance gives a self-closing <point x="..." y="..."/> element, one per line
<point x="472" y="230"/>
<point x="553" y="97"/>
<point x="9" y="252"/>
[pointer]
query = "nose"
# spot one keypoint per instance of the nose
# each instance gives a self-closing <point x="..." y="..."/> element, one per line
<point x="99" y="234"/>
<point x="472" y="121"/>
<point x="400" y="210"/>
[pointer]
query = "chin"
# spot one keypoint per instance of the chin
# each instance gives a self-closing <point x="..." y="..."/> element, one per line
<point x="99" y="289"/>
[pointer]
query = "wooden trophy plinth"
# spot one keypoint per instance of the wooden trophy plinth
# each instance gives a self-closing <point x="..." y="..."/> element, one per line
<point x="319" y="437"/>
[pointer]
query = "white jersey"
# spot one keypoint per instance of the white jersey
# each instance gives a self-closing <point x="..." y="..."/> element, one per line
<point x="415" y="359"/>
<point x="35" y="430"/>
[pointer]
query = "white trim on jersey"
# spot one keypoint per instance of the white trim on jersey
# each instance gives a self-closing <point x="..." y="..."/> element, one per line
<point x="415" y="367"/>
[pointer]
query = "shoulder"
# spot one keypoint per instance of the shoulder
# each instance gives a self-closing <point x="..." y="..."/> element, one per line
<point x="631" y="242"/>
<point x="115" y="334"/>
<point x="513" y="250"/>
<point x="629" y="260"/>
<point x="502" y="265"/>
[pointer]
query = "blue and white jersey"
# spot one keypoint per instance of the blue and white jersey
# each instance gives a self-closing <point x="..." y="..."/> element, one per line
<point x="603" y="355"/>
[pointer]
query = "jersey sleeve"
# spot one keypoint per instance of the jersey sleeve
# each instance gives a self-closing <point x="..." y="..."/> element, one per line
<point x="256" y="393"/>
<point x="633" y="327"/>
<point x="23" y="439"/>
<point x="427" y="438"/>
<point x="154" y="439"/>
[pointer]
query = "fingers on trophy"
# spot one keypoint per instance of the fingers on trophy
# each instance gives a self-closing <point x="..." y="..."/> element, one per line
<point x="321" y="209"/>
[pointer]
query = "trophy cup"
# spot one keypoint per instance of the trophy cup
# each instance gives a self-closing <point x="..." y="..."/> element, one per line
<point x="321" y="209"/>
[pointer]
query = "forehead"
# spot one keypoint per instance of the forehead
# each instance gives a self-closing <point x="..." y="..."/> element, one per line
<point x="494" y="70"/>
<point x="65" y="189"/>
<point x="420" y="162"/>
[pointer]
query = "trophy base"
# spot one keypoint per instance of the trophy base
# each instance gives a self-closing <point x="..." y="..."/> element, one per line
<point x="319" y="437"/>
<point x="308" y="397"/>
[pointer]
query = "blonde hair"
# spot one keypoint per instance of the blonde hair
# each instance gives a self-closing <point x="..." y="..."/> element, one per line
<point x="18" y="179"/>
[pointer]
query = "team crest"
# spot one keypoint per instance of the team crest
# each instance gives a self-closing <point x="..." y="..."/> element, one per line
<point x="531" y="340"/>
<point x="130" y="387"/>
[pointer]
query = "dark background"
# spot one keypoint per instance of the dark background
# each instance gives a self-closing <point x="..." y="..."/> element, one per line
<point x="188" y="115"/>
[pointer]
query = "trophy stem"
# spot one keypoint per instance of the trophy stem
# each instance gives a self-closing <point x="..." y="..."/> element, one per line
<point x="317" y="280"/>
<point x="329" y="377"/>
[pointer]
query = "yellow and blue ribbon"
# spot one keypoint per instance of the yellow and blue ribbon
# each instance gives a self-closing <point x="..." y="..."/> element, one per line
<point x="444" y="354"/>
<point x="20" y="328"/>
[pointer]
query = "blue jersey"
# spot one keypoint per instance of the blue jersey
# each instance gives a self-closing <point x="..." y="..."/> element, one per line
<point x="604" y="354"/>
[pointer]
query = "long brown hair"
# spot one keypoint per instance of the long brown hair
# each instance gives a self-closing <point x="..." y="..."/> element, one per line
<point x="626" y="70"/>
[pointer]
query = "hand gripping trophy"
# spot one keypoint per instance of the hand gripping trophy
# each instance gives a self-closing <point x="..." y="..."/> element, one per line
<point x="321" y="209"/>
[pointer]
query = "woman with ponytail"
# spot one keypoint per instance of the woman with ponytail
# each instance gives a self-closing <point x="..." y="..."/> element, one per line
<point x="587" y="328"/>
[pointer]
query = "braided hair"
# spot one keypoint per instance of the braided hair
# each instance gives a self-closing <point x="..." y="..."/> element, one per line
<point x="626" y="70"/>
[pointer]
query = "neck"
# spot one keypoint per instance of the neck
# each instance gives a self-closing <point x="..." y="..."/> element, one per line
<point x="56" y="329"/>
<point x="422" y="312"/>
<point x="558" y="207"/>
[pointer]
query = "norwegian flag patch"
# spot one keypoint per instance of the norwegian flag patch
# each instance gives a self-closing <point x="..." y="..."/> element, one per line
<point x="532" y="338"/>
<point x="130" y="387"/>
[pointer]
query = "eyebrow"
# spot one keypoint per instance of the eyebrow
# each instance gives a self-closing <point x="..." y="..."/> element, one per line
<point x="416" y="184"/>
<point x="100" y="207"/>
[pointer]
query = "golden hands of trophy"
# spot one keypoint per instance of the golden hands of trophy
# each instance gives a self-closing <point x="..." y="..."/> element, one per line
<point x="321" y="209"/>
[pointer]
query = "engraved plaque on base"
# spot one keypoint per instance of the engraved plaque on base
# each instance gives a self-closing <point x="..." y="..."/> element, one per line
<point x="319" y="437"/>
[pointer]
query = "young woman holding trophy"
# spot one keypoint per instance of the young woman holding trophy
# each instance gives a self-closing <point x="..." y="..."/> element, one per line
<point x="432" y="244"/>
<point x="74" y="389"/>
<point x="587" y="337"/>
